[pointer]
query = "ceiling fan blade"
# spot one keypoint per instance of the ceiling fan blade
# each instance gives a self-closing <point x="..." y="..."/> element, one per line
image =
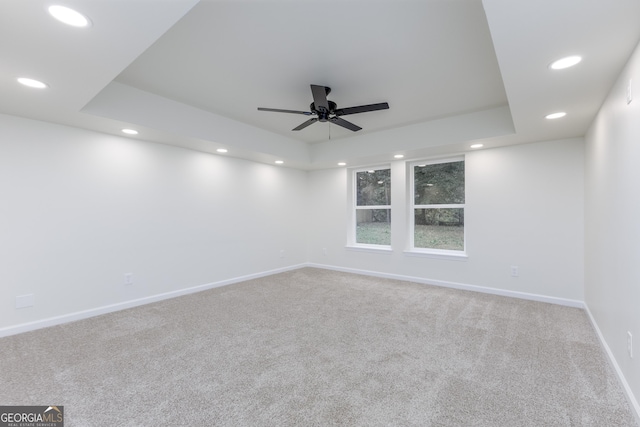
<point x="305" y="124"/>
<point x="320" y="97"/>
<point x="362" y="109"/>
<point x="345" y="124"/>
<point x="278" y="110"/>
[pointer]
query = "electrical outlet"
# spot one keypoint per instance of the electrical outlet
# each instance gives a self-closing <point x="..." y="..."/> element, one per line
<point x="515" y="271"/>
<point x="324" y="251"/>
<point x="630" y="344"/>
<point x="128" y="279"/>
<point x="282" y="253"/>
<point x="23" y="301"/>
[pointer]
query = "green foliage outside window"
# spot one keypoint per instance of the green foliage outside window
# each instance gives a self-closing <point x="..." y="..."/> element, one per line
<point x="439" y="197"/>
<point x="439" y="184"/>
<point x="373" y="188"/>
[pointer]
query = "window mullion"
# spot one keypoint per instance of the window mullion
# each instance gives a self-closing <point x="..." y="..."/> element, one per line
<point x="441" y="206"/>
<point x="374" y="207"/>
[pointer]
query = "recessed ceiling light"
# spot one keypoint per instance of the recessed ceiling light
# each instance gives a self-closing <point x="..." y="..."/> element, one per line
<point x="477" y="146"/>
<point x="69" y="16"/>
<point x="31" y="83"/>
<point x="567" y="62"/>
<point x="279" y="162"/>
<point x="342" y="164"/>
<point x="398" y="156"/>
<point x="222" y="150"/>
<point x="370" y="171"/>
<point x="130" y="131"/>
<point x="421" y="166"/>
<point x="555" y="115"/>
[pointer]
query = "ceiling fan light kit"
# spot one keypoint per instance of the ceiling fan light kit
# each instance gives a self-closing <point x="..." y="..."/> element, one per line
<point x="327" y="111"/>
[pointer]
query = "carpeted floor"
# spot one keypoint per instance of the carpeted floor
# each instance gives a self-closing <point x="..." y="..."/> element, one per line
<point x="313" y="347"/>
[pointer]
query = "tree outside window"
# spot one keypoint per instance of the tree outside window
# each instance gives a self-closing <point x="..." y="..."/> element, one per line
<point x="438" y="206"/>
<point x="373" y="207"/>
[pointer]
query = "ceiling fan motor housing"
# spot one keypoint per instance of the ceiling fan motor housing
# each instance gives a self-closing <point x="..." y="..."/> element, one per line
<point x="323" y="114"/>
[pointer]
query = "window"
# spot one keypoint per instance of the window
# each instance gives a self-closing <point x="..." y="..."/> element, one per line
<point x="373" y="207"/>
<point x="437" y="206"/>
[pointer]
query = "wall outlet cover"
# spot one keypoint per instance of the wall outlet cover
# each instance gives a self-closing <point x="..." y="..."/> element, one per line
<point x="128" y="278"/>
<point x="23" y="301"/>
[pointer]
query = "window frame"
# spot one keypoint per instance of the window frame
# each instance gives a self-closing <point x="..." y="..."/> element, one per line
<point x="353" y="208"/>
<point x="432" y="252"/>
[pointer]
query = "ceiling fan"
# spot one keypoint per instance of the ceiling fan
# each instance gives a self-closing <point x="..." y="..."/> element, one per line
<point x="327" y="111"/>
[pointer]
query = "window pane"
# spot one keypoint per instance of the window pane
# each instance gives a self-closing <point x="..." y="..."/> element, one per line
<point x="373" y="226"/>
<point x="439" y="229"/>
<point x="441" y="183"/>
<point x="374" y="188"/>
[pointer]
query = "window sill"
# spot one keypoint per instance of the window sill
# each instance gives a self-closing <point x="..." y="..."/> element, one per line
<point x="453" y="256"/>
<point x="370" y="248"/>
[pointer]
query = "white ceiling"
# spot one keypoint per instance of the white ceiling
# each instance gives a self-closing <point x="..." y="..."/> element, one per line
<point x="192" y="73"/>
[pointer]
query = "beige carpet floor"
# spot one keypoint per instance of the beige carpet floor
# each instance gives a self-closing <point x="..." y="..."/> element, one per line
<point x="313" y="347"/>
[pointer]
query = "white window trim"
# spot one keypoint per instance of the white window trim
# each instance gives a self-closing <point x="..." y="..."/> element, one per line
<point x="353" y="207"/>
<point x="379" y="249"/>
<point x="437" y="254"/>
<point x="427" y="252"/>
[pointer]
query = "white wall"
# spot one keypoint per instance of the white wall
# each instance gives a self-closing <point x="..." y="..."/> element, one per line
<point x="612" y="222"/>
<point x="524" y="208"/>
<point x="80" y="209"/>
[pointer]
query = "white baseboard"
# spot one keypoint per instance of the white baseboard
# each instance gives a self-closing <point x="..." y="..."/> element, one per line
<point x="79" y="315"/>
<point x="454" y="285"/>
<point x="71" y="317"/>
<point x="633" y="402"/>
